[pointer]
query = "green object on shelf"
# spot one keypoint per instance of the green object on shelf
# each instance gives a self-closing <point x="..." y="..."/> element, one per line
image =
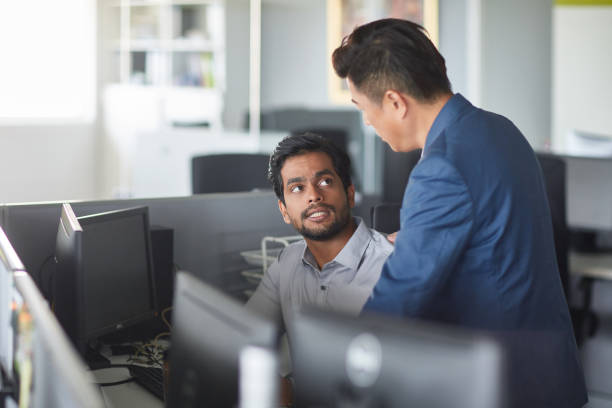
<point x="208" y="77"/>
<point x="583" y="2"/>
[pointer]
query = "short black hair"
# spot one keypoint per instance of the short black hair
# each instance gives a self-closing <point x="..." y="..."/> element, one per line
<point x="392" y="54"/>
<point x="296" y="145"/>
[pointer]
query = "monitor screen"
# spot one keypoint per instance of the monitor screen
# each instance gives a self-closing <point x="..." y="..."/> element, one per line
<point x="374" y="362"/>
<point x="47" y="360"/>
<point x="118" y="283"/>
<point x="104" y="279"/>
<point x="208" y="334"/>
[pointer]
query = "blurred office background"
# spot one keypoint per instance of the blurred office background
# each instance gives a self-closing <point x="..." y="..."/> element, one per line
<point x="105" y="99"/>
<point x="102" y="99"/>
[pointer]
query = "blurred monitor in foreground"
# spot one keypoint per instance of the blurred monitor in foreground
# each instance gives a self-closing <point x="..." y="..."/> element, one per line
<point x="209" y="332"/>
<point x="9" y="263"/>
<point x="341" y="361"/>
<point x="51" y="375"/>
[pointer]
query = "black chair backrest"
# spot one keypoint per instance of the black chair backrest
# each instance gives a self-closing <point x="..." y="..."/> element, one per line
<point x="338" y="136"/>
<point x="386" y="217"/>
<point x="226" y="173"/>
<point x="397" y="167"/>
<point x="554" y="172"/>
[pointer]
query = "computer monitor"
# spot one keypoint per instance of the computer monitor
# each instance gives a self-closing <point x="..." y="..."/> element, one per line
<point x="208" y="333"/>
<point x="9" y="263"/>
<point x="372" y="362"/>
<point x="58" y="377"/>
<point x="104" y="279"/>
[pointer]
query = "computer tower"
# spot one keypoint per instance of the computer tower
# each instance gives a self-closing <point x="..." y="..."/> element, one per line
<point x="162" y="248"/>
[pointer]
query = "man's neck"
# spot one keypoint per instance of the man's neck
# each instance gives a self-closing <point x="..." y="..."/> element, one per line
<point x="428" y="114"/>
<point x="325" y="251"/>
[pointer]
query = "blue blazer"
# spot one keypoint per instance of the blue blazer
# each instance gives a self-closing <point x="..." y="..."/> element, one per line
<point x="475" y="249"/>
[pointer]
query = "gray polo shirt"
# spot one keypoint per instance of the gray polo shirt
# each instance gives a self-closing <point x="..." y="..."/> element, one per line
<point x="343" y="284"/>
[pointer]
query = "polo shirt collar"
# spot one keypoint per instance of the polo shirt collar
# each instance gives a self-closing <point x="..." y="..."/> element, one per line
<point x="350" y="256"/>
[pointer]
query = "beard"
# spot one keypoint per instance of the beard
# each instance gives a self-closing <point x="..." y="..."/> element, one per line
<point x="342" y="219"/>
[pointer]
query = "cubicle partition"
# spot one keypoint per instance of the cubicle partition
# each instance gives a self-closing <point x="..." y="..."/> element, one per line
<point x="40" y="367"/>
<point x="589" y="192"/>
<point x="210" y="230"/>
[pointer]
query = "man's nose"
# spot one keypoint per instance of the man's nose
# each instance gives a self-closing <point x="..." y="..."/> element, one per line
<point x="314" y="195"/>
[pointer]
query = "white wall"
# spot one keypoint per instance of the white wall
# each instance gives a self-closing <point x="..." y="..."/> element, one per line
<point x="41" y="163"/>
<point x="582" y="71"/>
<point x="516" y="64"/>
<point x="294" y="56"/>
<point x="453" y="39"/>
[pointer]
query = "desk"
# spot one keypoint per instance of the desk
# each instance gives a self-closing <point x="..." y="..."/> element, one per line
<point x="589" y="267"/>
<point x="129" y="394"/>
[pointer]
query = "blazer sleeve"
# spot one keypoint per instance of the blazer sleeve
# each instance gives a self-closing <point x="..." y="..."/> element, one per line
<point x="436" y="223"/>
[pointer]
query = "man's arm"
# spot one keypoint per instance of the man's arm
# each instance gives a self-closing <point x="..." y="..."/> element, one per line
<point x="266" y="299"/>
<point x="436" y="223"/>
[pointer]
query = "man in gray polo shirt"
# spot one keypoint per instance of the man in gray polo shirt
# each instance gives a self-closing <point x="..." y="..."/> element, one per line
<point x="339" y="261"/>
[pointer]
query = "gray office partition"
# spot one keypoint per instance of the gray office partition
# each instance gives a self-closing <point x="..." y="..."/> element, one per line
<point x="210" y="230"/>
<point x="589" y="192"/>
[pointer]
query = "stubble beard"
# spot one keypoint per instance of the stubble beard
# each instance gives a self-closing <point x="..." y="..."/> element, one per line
<point x="342" y="220"/>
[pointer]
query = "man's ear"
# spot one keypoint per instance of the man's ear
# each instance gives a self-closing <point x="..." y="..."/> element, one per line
<point x="396" y="103"/>
<point x="283" y="211"/>
<point x="350" y="195"/>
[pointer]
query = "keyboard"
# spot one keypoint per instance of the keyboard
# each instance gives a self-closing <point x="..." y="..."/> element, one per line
<point x="151" y="378"/>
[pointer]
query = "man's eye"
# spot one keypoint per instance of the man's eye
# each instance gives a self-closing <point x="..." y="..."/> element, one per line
<point x="325" y="182"/>
<point x="295" y="189"/>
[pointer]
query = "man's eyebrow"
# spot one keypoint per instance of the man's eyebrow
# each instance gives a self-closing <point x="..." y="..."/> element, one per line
<point x="324" y="172"/>
<point x="295" y="180"/>
<point x="318" y="174"/>
<point x="354" y="101"/>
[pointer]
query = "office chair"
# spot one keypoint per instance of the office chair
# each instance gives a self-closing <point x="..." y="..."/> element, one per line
<point x="397" y="167"/>
<point x="554" y="173"/>
<point x="385" y="217"/>
<point x="225" y="173"/>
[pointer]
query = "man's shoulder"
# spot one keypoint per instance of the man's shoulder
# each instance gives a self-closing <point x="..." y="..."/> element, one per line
<point x="292" y="251"/>
<point x="380" y="243"/>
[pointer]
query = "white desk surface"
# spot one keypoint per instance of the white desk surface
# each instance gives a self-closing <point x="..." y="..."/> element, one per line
<point x="128" y="395"/>
<point x="597" y="266"/>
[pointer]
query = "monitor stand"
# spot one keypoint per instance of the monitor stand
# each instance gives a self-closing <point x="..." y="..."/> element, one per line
<point x="95" y="360"/>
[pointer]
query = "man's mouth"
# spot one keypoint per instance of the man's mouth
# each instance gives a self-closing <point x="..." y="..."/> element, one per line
<point x="317" y="214"/>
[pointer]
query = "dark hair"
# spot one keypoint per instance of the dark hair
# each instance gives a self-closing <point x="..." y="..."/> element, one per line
<point x="296" y="145"/>
<point x="392" y="54"/>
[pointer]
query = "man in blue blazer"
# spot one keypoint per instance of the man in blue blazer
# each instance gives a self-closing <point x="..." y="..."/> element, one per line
<point x="475" y="246"/>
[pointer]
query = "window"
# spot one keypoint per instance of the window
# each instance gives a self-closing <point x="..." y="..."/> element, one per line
<point x="48" y="71"/>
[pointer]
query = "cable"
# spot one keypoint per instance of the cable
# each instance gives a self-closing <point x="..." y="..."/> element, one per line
<point x="158" y="336"/>
<point x="109" y="384"/>
<point x="45" y="287"/>
<point x="163" y="316"/>
<point x="112" y="366"/>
